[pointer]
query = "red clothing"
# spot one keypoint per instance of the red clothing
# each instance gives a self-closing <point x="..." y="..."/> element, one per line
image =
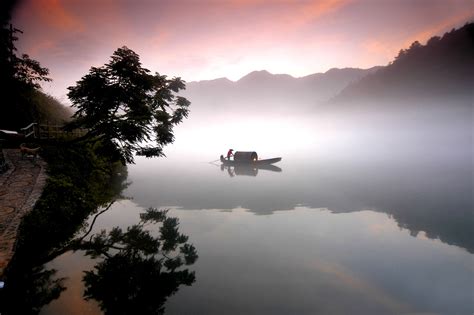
<point x="229" y="153"/>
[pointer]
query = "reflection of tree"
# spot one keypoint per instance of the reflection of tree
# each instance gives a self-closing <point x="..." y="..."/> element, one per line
<point x="81" y="182"/>
<point x="27" y="292"/>
<point x="139" y="271"/>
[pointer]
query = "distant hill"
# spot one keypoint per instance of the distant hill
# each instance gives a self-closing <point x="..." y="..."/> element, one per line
<point x="261" y="91"/>
<point x="441" y="69"/>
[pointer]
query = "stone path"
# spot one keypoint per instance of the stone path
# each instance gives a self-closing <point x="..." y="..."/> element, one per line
<point x="20" y="188"/>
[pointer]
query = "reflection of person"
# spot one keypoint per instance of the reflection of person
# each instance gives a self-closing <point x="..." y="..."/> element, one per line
<point x="229" y="153"/>
<point x="230" y="171"/>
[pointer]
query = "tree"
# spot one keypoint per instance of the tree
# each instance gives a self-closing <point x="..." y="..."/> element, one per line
<point x="23" y="70"/>
<point x="124" y="103"/>
<point x="20" y="77"/>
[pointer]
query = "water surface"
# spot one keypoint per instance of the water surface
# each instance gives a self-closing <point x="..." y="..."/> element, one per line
<point x="373" y="232"/>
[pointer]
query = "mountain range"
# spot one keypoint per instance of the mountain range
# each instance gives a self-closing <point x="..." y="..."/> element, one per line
<point x="261" y="91"/>
<point x="441" y="69"/>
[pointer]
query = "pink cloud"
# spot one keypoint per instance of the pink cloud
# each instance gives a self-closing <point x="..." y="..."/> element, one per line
<point x="54" y="14"/>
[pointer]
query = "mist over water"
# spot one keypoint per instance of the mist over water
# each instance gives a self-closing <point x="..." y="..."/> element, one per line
<point x="367" y="212"/>
<point x="360" y="207"/>
<point x="405" y="162"/>
<point x="364" y="213"/>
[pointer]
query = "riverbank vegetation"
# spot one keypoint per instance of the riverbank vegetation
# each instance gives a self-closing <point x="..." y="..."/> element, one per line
<point x="146" y="263"/>
<point x="126" y="111"/>
<point x="23" y="101"/>
<point x="80" y="181"/>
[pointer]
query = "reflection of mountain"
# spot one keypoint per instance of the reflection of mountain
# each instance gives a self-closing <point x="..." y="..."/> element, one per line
<point x="428" y="196"/>
<point x="422" y="192"/>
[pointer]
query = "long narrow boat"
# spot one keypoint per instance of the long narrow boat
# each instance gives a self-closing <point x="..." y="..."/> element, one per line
<point x="249" y="161"/>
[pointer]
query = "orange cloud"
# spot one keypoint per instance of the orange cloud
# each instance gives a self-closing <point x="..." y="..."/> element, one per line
<point x="296" y="14"/>
<point x="245" y="3"/>
<point x="310" y="8"/>
<point x="380" y="48"/>
<point x="54" y="14"/>
<point x="292" y="13"/>
<point x="316" y="9"/>
<point x="42" y="45"/>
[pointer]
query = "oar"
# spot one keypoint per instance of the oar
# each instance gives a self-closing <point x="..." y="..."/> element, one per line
<point x="214" y="162"/>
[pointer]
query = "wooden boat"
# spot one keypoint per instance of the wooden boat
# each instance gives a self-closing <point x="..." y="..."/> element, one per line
<point x="256" y="162"/>
<point x="248" y="158"/>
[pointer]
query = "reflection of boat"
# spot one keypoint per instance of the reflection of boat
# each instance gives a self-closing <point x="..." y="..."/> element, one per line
<point x="268" y="167"/>
<point x="248" y="169"/>
<point x="249" y="159"/>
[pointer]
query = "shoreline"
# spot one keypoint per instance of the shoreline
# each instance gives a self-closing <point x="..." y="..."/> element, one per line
<point x="20" y="188"/>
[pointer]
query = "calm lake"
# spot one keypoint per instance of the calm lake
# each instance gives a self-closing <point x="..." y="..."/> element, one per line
<point x="372" y="230"/>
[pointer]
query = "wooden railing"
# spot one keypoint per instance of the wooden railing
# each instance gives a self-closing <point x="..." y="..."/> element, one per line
<point x="29" y="130"/>
<point x="47" y="131"/>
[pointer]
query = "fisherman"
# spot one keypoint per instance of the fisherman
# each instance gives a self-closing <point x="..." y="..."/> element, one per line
<point x="229" y="154"/>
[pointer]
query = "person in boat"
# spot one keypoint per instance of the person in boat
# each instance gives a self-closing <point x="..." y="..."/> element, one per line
<point x="229" y="153"/>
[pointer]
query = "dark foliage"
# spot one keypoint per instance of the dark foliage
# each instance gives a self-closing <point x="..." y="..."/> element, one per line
<point x="124" y="103"/>
<point x="444" y="67"/>
<point x="6" y="7"/>
<point x="137" y="268"/>
<point x="80" y="181"/>
<point x="22" y="101"/>
<point x="139" y="271"/>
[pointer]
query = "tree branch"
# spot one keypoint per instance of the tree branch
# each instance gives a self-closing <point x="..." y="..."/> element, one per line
<point x="93" y="221"/>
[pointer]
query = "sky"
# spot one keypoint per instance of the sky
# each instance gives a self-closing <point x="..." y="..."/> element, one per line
<point x="208" y="39"/>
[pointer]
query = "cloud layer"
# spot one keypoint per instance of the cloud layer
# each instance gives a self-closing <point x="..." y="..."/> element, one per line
<point x="215" y="38"/>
